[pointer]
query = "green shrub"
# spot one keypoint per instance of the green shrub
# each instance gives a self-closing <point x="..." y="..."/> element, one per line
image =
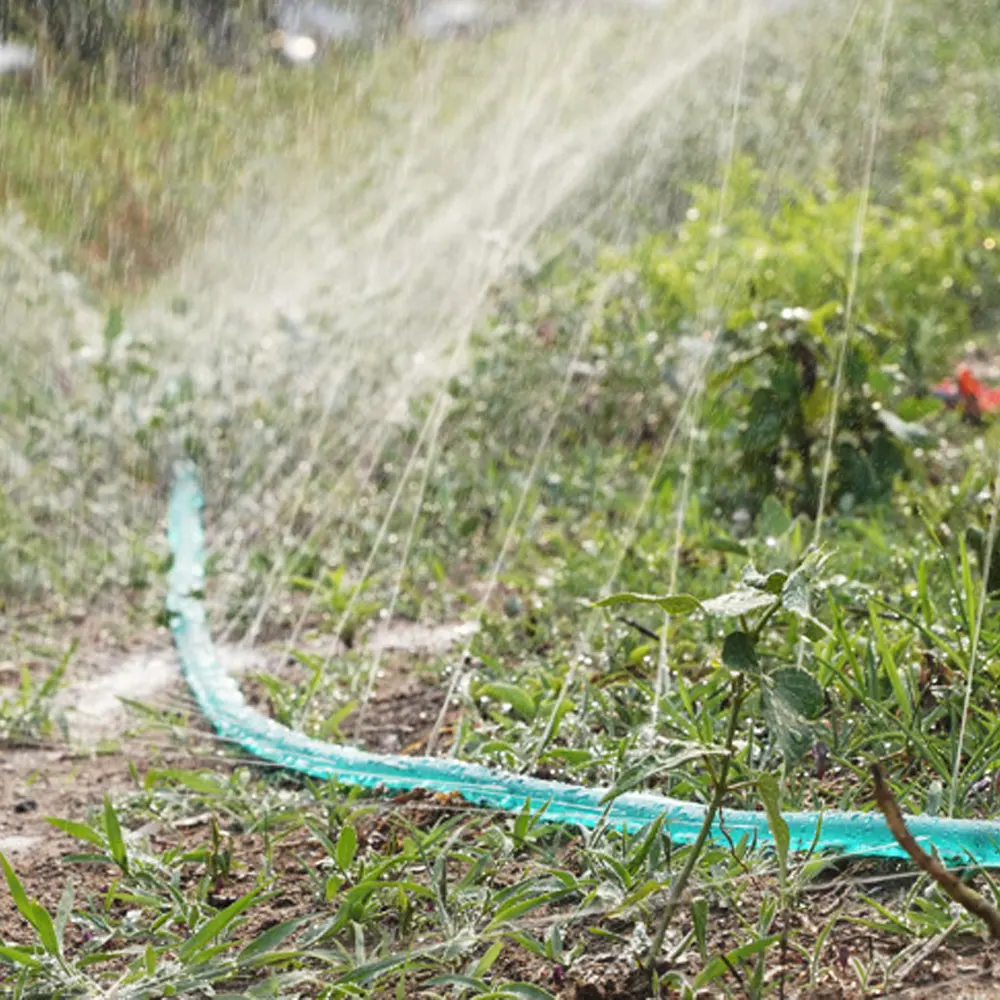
<point x="774" y="277"/>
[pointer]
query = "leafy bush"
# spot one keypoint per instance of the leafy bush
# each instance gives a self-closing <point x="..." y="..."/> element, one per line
<point x="775" y="276"/>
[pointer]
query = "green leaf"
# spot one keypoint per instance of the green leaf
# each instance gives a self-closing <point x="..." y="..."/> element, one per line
<point x="773" y="520"/>
<point x="770" y="795"/>
<point x="521" y="990"/>
<point x="699" y="922"/>
<point x="902" y="430"/>
<point x="739" y="602"/>
<point x="214" y="927"/>
<point x="63" y="912"/>
<point x="640" y="653"/>
<point x="19" y="956"/>
<point x="453" y="979"/>
<point x="739" y="654"/>
<point x="897" y="681"/>
<point x="717" y="967"/>
<point x="795" y="594"/>
<point x="114" y="326"/>
<point x="79" y="830"/>
<point x="347" y="847"/>
<point x="638" y="894"/>
<point x="814" y="629"/>
<point x="914" y="408"/>
<point x="517" y="908"/>
<point x="634" y="776"/>
<point x="269" y="940"/>
<point x="116" y="842"/>
<point x="17" y="892"/>
<point x="791" y="731"/>
<point x="516" y="697"/>
<point x="799" y="690"/>
<point x="489" y="958"/>
<point x="202" y="782"/>
<point x="722" y="544"/>
<point x="34" y="913"/>
<point x="371" y="971"/>
<point x="45" y="929"/>
<point x="677" y="604"/>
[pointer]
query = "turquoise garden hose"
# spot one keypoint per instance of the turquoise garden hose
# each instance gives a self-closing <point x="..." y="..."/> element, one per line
<point x="220" y="699"/>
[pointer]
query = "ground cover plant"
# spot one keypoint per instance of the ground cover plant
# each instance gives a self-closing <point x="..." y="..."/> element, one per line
<point x="428" y="896"/>
<point x="666" y="619"/>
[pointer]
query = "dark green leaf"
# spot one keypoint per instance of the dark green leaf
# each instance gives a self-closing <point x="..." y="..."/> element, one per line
<point x="738" y="653"/>
<point x="798" y="689"/>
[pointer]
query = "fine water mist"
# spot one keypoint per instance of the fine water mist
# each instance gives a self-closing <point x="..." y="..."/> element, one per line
<point x="350" y="270"/>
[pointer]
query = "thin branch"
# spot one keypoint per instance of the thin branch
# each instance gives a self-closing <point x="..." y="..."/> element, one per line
<point x="949" y="882"/>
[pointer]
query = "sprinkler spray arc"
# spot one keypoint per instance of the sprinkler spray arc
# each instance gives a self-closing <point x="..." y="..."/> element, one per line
<point x="219" y="698"/>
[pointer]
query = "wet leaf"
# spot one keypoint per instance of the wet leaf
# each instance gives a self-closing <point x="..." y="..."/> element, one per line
<point x="795" y="594"/>
<point x="738" y="653"/>
<point x="788" y="727"/>
<point x="518" y="699"/>
<point x="798" y="689"/>
<point x="739" y="602"/>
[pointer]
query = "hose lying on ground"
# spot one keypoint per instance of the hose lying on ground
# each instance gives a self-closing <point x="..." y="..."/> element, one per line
<point x="219" y="698"/>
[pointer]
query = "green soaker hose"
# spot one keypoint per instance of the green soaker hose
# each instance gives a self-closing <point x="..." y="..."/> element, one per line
<point x="220" y="699"/>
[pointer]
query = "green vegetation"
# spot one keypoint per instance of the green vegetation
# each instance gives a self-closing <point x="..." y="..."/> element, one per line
<point x="669" y="614"/>
<point x="27" y="713"/>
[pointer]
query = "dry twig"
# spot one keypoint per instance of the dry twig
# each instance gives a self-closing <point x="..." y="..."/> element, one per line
<point x="949" y="882"/>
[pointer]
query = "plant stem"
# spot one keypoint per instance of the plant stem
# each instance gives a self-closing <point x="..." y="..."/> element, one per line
<point x="679" y="884"/>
